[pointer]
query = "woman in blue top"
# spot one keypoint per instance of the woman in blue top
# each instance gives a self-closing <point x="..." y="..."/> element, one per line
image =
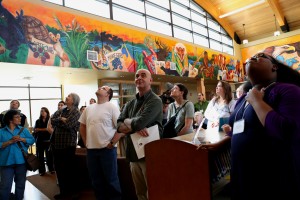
<point x="12" y="163"/>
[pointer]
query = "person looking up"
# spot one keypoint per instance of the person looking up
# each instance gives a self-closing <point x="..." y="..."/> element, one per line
<point x="98" y="125"/>
<point x="66" y="126"/>
<point x="92" y="101"/>
<point x="185" y="116"/>
<point x="265" y="136"/>
<point x="42" y="137"/>
<point x="221" y="106"/>
<point x="139" y="114"/>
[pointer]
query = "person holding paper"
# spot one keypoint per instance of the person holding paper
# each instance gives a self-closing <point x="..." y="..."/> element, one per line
<point x="98" y="125"/>
<point x="139" y="114"/>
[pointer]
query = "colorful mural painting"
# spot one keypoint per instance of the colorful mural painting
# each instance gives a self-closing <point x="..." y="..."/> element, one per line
<point x="286" y="50"/>
<point x="33" y="33"/>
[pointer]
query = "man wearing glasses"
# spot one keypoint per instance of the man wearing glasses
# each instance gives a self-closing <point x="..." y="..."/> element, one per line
<point x="98" y="125"/>
<point x="139" y="114"/>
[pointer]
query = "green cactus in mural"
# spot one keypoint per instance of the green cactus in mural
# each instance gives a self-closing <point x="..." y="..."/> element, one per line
<point x="76" y="43"/>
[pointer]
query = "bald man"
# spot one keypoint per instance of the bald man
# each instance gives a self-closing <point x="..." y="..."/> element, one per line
<point x="138" y="114"/>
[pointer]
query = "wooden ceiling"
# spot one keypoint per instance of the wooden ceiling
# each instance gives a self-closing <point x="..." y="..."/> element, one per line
<point x="259" y="20"/>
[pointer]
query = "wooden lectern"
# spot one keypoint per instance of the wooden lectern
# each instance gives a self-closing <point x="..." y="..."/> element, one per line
<point x="176" y="170"/>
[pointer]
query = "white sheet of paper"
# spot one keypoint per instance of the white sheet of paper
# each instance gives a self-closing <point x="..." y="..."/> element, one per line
<point x="139" y="141"/>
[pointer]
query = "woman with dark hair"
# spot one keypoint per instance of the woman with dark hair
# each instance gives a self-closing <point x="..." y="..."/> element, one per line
<point x="265" y="136"/>
<point x="66" y="126"/>
<point x="12" y="163"/>
<point x="185" y="108"/>
<point x="42" y="137"/>
<point x="221" y="106"/>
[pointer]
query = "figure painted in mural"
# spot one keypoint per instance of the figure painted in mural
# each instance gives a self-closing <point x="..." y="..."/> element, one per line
<point x="288" y="54"/>
<point x="11" y="32"/>
<point x="149" y="60"/>
<point x="179" y="57"/>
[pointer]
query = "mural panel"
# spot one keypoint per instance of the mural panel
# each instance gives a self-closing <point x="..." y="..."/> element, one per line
<point x="286" y="50"/>
<point x="34" y="33"/>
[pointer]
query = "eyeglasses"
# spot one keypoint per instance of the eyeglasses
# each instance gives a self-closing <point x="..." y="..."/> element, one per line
<point x="17" y="117"/>
<point x="107" y="89"/>
<point x="263" y="55"/>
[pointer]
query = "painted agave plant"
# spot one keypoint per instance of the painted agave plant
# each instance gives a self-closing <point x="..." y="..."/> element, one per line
<point x="76" y="43"/>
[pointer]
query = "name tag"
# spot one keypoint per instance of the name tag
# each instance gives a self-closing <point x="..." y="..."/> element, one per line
<point x="238" y="126"/>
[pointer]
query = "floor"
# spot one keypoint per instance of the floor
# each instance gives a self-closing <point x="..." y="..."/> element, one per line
<point x="31" y="192"/>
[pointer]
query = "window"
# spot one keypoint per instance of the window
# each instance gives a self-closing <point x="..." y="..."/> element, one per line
<point x="129" y="17"/>
<point x="55" y="1"/>
<point x="182" y="22"/>
<point x="30" y="105"/>
<point x="163" y="3"/>
<point x="200" y="40"/>
<point x="198" y="18"/>
<point x="158" y="26"/>
<point x="182" y="19"/>
<point x="136" y="5"/>
<point x="199" y="29"/>
<point x="183" y="34"/>
<point x="215" y="45"/>
<point x="158" y="12"/>
<point x="90" y="6"/>
<point x="214" y="35"/>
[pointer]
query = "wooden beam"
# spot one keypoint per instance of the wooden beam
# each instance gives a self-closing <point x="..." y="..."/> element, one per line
<point x="277" y="11"/>
<point x="213" y="11"/>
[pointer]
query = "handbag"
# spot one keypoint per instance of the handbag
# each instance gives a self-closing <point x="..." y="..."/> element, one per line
<point x="32" y="162"/>
<point x="169" y="130"/>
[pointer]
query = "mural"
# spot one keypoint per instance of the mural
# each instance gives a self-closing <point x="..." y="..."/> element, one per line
<point x="32" y="33"/>
<point x="286" y="50"/>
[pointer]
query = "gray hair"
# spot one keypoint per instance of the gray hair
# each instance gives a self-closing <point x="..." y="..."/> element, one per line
<point x="76" y="99"/>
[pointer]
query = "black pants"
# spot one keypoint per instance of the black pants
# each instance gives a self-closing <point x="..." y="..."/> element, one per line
<point x="65" y="167"/>
<point x="43" y="148"/>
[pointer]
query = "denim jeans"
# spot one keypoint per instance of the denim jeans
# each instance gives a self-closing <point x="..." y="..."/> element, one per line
<point x="8" y="174"/>
<point x="103" y="170"/>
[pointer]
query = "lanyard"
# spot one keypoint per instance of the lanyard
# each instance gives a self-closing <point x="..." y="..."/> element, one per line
<point x="242" y="106"/>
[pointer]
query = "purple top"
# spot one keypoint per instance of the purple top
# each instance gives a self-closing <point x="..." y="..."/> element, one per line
<point x="266" y="160"/>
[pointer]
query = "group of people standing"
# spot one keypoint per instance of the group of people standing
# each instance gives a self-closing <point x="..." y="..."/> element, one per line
<point x="263" y="126"/>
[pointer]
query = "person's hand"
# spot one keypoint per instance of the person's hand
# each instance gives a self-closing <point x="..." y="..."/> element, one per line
<point x="17" y="138"/>
<point x="63" y="119"/>
<point x="205" y="146"/>
<point x="254" y="95"/>
<point x="143" y="132"/>
<point x="115" y="139"/>
<point x="226" y="128"/>
<point x="214" y="124"/>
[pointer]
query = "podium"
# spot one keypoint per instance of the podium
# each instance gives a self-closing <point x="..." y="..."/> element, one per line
<point x="177" y="170"/>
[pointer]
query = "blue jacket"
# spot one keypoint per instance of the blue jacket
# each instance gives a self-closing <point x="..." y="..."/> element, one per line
<point x="12" y="154"/>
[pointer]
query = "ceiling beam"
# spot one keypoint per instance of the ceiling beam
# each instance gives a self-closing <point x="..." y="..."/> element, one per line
<point x="213" y="11"/>
<point x="279" y="15"/>
<point x="277" y="11"/>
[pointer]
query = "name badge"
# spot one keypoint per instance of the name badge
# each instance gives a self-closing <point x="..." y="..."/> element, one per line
<point x="238" y="126"/>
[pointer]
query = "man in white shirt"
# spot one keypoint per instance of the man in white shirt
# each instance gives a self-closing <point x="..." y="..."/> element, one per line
<point x="98" y="124"/>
